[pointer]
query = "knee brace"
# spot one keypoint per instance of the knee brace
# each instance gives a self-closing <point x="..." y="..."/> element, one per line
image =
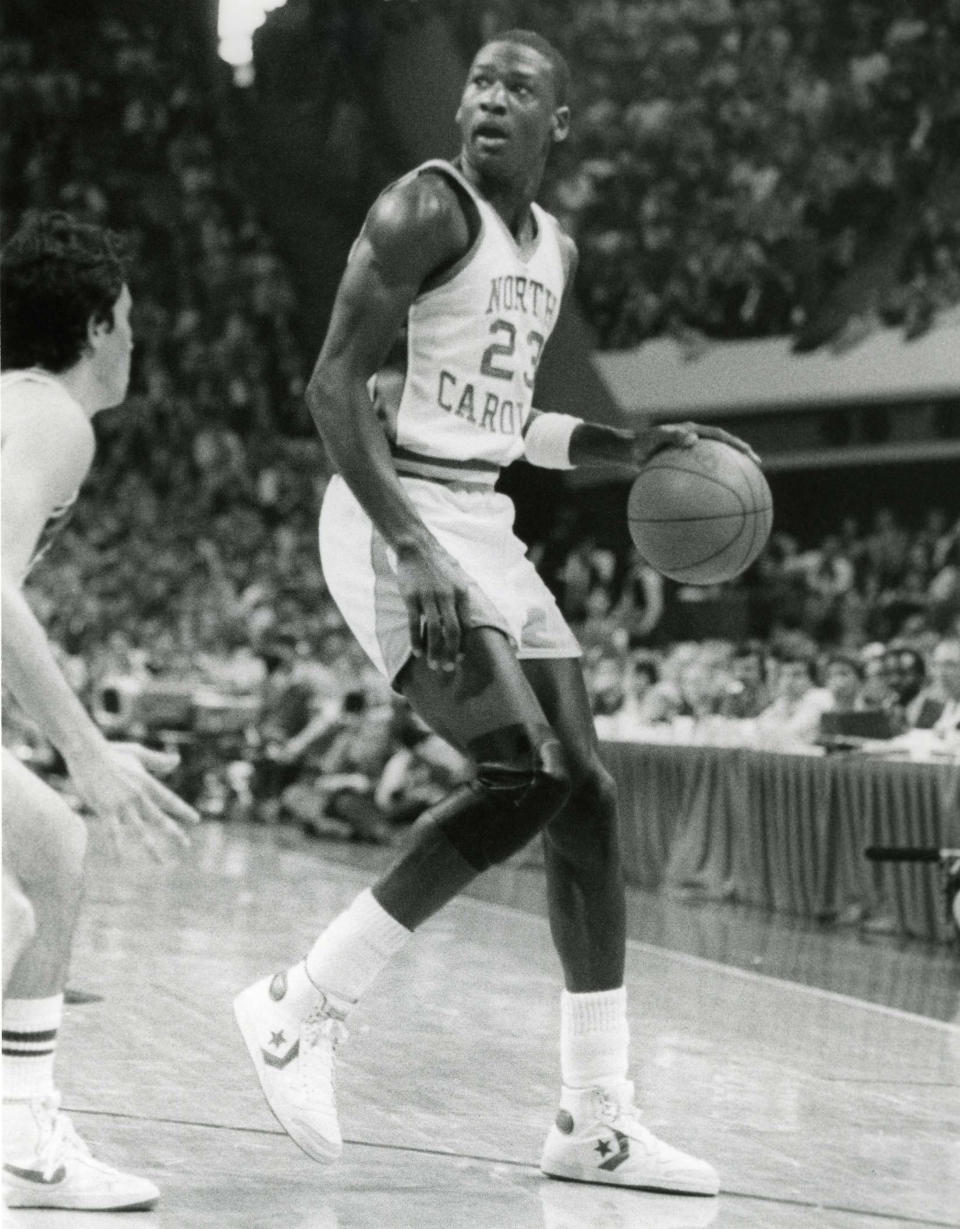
<point x="506" y="804"/>
<point x="587" y="830"/>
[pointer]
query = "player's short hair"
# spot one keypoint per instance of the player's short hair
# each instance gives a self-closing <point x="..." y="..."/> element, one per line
<point x="530" y="38"/>
<point x="56" y="273"/>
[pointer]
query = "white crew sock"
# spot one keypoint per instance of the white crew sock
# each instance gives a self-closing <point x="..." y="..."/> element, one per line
<point x="353" y="949"/>
<point x="30" y="1029"/>
<point x="594" y="1038"/>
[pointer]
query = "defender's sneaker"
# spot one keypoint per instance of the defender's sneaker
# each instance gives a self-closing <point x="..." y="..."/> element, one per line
<point x="59" y="1172"/>
<point x="295" y="1061"/>
<point x="598" y="1137"/>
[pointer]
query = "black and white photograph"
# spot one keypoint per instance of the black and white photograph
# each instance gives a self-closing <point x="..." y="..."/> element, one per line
<point x="481" y="614"/>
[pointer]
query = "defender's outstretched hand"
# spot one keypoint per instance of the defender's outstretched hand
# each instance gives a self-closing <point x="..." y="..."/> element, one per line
<point x="120" y="787"/>
<point x="651" y="440"/>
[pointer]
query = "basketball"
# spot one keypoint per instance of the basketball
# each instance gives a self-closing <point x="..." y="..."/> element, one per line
<point x="700" y="515"/>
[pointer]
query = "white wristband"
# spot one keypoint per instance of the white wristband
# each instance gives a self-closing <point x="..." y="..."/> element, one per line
<point x="547" y="440"/>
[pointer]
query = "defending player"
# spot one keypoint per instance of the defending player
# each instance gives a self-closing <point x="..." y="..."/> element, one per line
<point x="419" y="553"/>
<point x="66" y="354"/>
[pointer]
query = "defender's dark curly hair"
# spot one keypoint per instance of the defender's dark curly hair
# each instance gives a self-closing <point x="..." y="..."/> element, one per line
<point x="55" y="274"/>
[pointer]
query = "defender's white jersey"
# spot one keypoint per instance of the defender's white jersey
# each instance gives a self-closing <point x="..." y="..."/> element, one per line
<point x="24" y="391"/>
<point x="474" y="340"/>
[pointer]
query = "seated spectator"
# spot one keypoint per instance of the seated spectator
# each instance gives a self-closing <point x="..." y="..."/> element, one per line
<point x="946" y="673"/>
<point x="887" y="547"/>
<point x="643" y="700"/>
<point x="849" y="717"/>
<point x="700" y="690"/>
<point x="641" y="681"/>
<point x="606" y="686"/>
<point x="641" y="604"/>
<point x="793" y="718"/>
<point x="843" y="678"/>
<point x="422" y="770"/>
<point x="600" y="627"/>
<point x="943" y="592"/>
<point x="339" y="799"/>
<point x="829" y="578"/>
<point x="300" y="707"/>
<point x="587" y="572"/>
<point x="875" y="689"/>
<point x="907" y="599"/>
<point x="747" y="693"/>
<point x="905" y="672"/>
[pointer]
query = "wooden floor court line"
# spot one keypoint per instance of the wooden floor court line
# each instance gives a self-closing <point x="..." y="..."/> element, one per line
<point x="480" y="1158"/>
<point x="945" y="958"/>
<point x="747" y="975"/>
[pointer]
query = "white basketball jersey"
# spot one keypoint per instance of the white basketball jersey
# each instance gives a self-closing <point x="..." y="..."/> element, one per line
<point x="474" y="340"/>
<point x="21" y="390"/>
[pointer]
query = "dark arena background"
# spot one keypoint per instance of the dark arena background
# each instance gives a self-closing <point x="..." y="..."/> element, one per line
<point x="766" y="199"/>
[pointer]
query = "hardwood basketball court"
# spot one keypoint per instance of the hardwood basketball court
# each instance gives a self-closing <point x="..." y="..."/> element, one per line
<point x="820" y="1105"/>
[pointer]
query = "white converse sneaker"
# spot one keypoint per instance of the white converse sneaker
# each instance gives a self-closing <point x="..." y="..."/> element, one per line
<point x="59" y="1171"/>
<point x="295" y="1060"/>
<point x="598" y="1137"/>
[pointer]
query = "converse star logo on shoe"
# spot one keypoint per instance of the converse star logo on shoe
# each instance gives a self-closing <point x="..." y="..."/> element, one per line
<point x="278" y="986"/>
<point x="277" y="1039"/>
<point x="281" y="1060"/>
<point x="622" y="1154"/>
<point x="37" y="1175"/>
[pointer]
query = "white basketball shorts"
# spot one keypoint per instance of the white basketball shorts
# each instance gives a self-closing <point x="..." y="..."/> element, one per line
<point x="476" y="527"/>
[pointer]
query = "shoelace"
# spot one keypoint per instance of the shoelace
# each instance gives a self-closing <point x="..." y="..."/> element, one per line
<point x="609" y="1107"/>
<point x="626" y="1118"/>
<point x="321" y="1036"/>
<point x="612" y="1112"/>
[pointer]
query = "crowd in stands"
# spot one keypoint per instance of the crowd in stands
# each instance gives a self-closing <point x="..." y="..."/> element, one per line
<point x="123" y="130"/>
<point x="193" y="544"/>
<point x="210" y="631"/>
<point x="223" y="641"/>
<point x="894" y="696"/>
<point x="855" y="586"/>
<point x="862" y="621"/>
<point x="731" y="161"/>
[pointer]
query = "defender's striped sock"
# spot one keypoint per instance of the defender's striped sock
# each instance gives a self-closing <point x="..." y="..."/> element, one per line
<point x="30" y="1029"/>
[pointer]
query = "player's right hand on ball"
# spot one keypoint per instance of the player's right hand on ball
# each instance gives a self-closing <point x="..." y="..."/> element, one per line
<point x="118" y="784"/>
<point x="434" y="588"/>
<point x="651" y="440"/>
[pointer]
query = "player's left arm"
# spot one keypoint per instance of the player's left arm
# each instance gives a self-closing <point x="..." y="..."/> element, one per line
<point x="561" y="441"/>
<point x="37" y="479"/>
<point x="113" y="779"/>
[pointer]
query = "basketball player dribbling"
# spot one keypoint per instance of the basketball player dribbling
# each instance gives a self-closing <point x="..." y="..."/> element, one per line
<point x="419" y="554"/>
<point x="66" y="355"/>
